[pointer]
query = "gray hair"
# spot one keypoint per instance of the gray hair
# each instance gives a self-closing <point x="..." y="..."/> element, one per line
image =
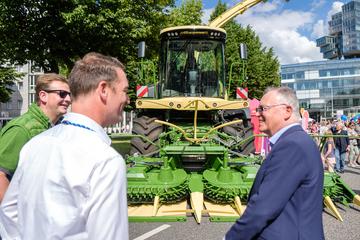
<point x="287" y="95"/>
<point x="340" y="124"/>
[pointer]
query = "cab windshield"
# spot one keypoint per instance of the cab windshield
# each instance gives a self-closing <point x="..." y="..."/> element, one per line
<point x="192" y="68"/>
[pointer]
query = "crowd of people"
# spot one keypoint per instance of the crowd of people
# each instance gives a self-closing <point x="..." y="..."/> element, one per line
<point x="337" y="150"/>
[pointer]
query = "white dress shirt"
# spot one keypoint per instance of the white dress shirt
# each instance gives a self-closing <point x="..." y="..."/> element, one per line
<point x="69" y="184"/>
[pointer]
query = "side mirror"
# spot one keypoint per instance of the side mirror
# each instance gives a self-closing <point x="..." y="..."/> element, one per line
<point x="243" y="51"/>
<point x="142" y="48"/>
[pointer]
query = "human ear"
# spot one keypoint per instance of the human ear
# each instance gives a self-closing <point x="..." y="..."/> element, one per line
<point x="103" y="89"/>
<point x="43" y="97"/>
<point x="288" y="111"/>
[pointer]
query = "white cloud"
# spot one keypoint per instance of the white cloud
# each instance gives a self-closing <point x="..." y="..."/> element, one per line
<point x="336" y="7"/>
<point x="267" y="7"/>
<point x="280" y="30"/>
<point x="206" y="16"/>
<point x="317" y="4"/>
<point x="320" y="29"/>
<point x="291" y="47"/>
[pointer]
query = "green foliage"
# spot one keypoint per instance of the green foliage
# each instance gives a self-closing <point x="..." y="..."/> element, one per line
<point x="262" y="65"/>
<point x="8" y="76"/>
<point x="55" y="33"/>
<point x="189" y="13"/>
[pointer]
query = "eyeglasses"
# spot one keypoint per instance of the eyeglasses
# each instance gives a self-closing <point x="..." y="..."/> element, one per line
<point x="62" y="93"/>
<point x="261" y="109"/>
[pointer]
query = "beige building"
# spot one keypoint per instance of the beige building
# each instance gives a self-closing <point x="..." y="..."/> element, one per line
<point x="23" y="95"/>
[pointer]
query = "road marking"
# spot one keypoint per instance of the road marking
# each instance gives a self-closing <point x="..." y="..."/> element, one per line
<point x="153" y="232"/>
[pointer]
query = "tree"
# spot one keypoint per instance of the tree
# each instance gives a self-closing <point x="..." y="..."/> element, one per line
<point x="189" y="13"/>
<point x="262" y="65"/>
<point x="53" y="33"/>
<point x="8" y="76"/>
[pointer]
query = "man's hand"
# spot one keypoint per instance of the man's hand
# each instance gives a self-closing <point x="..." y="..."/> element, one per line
<point x="4" y="184"/>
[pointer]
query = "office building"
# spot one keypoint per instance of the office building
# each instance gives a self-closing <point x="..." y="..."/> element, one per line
<point x="325" y="87"/>
<point x="343" y="41"/>
<point x="23" y="95"/>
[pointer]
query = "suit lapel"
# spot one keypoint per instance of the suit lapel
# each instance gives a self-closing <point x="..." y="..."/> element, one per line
<point x="260" y="175"/>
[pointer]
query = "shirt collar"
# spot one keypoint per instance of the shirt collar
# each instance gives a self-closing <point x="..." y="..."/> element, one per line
<point x="278" y="134"/>
<point x="88" y="122"/>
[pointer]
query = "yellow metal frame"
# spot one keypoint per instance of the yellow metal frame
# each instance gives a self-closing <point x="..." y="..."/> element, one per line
<point x="239" y="8"/>
<point x="173" y="102"/>
<point x="195" y="139"/>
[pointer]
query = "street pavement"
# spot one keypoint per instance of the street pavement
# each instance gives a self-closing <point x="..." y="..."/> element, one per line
<point x="333" y="229"/>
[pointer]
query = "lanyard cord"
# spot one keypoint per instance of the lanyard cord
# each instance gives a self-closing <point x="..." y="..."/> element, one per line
<point x="76" y="125"/>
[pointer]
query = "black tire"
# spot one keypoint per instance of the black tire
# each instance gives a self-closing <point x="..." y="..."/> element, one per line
<point x="238" y="130"/>
<point x="144" y="124"/>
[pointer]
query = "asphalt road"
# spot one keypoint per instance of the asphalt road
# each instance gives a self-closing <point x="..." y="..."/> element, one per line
<point x="333" y="229"/>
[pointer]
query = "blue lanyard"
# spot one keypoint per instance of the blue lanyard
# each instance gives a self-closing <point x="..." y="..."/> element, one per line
<point x="76" y="125"/>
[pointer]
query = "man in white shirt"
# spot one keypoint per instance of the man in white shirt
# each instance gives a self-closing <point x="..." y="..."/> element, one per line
<point x="70" y="184"/>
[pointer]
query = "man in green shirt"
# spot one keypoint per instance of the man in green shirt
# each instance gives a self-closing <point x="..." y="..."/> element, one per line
<point x="52" y="101"/>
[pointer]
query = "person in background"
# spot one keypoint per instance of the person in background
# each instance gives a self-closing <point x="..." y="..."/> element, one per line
<point x="70" y="184"/>
<point x="342" y="145"/>
<point x="357" y="126"/>
<point x="323" y="128"/>
<point x="357" y="130"/>
<point x="314" y="131"/>
<point x="333" y="126"/>
<point x="329" y="152"/>
<point x="286" y="199"/>
<point x="52" y="100"/>
<point x="354" y="151"/>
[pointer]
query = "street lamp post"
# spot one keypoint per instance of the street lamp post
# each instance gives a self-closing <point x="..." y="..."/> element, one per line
<point x="332" y="103"/>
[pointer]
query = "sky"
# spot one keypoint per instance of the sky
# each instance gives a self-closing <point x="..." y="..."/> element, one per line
<point x="291" y="28"/>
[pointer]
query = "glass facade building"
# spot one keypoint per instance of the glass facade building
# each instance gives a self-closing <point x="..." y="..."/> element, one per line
<point x="344" y="34"/>
<point x="325" y="87"/>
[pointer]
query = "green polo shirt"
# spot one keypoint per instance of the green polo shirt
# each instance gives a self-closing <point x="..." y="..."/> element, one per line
<point x="17" y="133"/>
<point x="10" y="146"/>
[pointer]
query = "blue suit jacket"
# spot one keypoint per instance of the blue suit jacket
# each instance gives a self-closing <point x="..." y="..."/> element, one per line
<point x="285" y="201"/>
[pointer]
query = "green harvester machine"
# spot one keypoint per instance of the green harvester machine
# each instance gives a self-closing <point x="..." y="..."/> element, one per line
<point x="189" y="139"/>
<point x="192" y="145"/>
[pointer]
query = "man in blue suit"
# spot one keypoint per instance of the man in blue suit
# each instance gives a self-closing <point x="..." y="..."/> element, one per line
<point x="285" y="201"/>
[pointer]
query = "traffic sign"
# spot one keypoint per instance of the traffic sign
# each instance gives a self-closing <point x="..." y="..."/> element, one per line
<point x="241" y="93"/>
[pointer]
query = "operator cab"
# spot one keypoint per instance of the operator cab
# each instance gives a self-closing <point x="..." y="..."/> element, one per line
<point x="192" y="62"/>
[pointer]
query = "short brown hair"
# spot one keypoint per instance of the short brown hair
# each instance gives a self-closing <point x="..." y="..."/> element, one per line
<point x="44" y="81"/>
<point x="90" y="71"/>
